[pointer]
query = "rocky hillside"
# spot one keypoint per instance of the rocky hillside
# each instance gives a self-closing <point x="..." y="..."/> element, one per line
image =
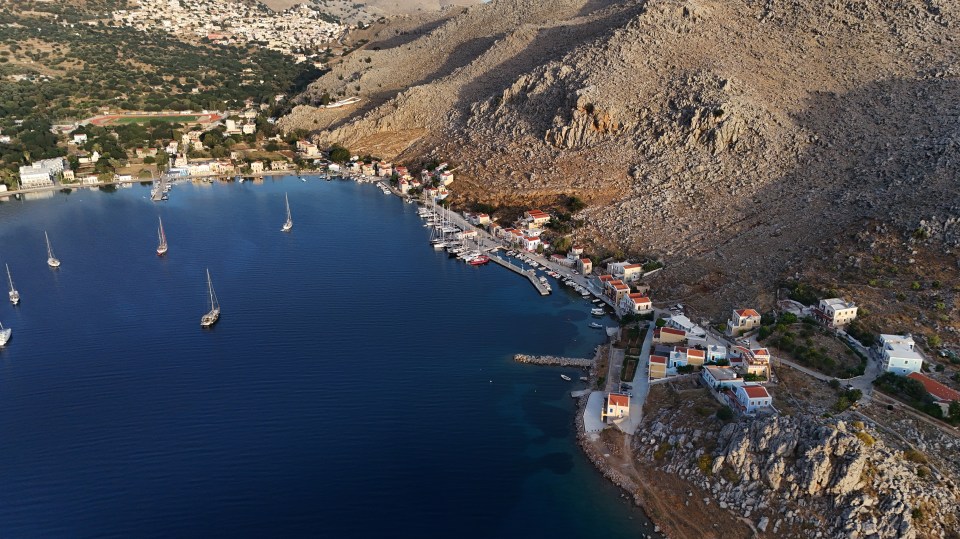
<point x="732" y="138"/>
<point x="805" y="477"/>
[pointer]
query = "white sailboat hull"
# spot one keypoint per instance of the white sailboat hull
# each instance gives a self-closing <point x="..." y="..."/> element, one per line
<point x="53" y="262"/>
<point x="5" y="334"/>
<point x="14" y="297"/>
<point x="210" y="318"/>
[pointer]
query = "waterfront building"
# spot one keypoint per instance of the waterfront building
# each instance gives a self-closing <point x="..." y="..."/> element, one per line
<point x="616" y="407"/>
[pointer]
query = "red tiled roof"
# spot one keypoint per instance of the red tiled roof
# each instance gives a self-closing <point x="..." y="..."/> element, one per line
<point x="672" y="331"/>
<point x="658" y="359"/>
<point x="633" y="266"/>
<point x="637" y="297"/>
<point x="935" y="388"/>
<point x="756" y="392"/>
<point x="747" y="312"/>
<point x="619" y="286"/>
<point x="585" y="260"/>
<point x="695" y="353"/>
<point x="760" y="352"/>
<point x="605" y="278"/>
<point x="616" y="399"/>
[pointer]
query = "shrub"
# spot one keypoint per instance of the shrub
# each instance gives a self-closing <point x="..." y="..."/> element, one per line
<point x="834" y="384"/>
<point x="662" y="450"/>
<point x="915" y="456"/>
<point x="866" y="438"/>
<point x="725" y="413"/>
<point x="705" y="463"/>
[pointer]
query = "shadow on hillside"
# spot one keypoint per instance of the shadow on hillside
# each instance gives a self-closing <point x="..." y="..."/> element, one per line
<point x="887" y="151"/>
<point x="460" y="56"/>
<point x="406" y="36"/>
<point x="550" y="44"/>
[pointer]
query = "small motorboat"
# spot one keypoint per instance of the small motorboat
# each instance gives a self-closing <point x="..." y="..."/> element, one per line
<point x="565" y="377"/>
<point x="595" y="325"/>
<point x="584" y="379"/>
<point x="597" y="312"/>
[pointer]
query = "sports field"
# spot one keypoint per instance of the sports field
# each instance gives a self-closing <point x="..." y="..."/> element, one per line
<point x="142" y="117"/>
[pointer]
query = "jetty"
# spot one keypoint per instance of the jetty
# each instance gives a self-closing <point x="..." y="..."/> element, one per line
<point x="530" y="274"/>
<point x="158" y="191"/>
<point x="580" y="362"/>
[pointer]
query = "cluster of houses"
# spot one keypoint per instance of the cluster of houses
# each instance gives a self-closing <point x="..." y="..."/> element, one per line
<point x="300" y="28"/>
<point x="527" y="232"/>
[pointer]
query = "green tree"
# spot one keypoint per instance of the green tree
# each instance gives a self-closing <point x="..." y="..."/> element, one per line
<point x="339" y="154"/>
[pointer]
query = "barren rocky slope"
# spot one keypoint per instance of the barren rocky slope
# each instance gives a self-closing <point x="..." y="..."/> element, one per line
<point x="732" y="138"/>
<point x="804" y="477"/>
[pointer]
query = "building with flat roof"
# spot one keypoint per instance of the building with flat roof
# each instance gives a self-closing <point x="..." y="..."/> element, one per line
<point x="721" y="377"/>
<point x="899" y="354"/>
<point x="835" y="312"/>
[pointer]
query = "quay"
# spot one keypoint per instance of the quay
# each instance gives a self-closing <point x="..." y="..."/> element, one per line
<point x="160" y="189"/>
<point x="580" y="362"/>
<point x="529" y="274"/>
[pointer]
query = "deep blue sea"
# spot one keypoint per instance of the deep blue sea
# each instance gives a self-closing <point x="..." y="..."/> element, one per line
<point x="358" y="383"/>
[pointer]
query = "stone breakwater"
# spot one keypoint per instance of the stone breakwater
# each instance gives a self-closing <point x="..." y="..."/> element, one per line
<point x="554" y="360"/>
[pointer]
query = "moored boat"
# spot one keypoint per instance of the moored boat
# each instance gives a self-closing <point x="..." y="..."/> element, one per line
<point x="5" y="334"/>
<point x="595" y="325"/>
<point x="597" y="312"/>
<point x="479" y="260"/>
<point x="565" y="377"/>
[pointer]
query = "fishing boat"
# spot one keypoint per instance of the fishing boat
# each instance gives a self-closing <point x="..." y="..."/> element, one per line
<point x="597" y="312"/>
<point x="304" y="180"/>
<point x="479" y="260"/>
<point x="162" y="247"/>
<point x="14" y="295"/>
<point x="51" y="260"/>
<point x="595" y="325"/>
<point x="4" y="334"/>
<point x="565" y="377"/>
<point x="289" y="222"/>
<point x="213" y="315"/>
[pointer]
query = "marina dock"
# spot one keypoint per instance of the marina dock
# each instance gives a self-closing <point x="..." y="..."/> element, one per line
<point x="530" y="274"/>
<point x="160" y="189"/>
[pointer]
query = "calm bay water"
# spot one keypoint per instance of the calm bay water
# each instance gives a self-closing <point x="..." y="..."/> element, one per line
<point x="358" y="384"/>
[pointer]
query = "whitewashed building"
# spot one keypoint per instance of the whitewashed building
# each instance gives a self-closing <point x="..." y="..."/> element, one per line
<point x="899" y="354"/>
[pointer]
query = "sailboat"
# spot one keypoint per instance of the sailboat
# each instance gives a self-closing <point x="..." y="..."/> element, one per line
<point x="162" y="247"/>
<point x="14" y="295"/>
<point x="4" y="334"/>
<point x="51" y="260"/>
<point x="211" y="317"/>
<point x="289" y="222"/>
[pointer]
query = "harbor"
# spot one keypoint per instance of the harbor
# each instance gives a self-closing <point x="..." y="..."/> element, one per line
<point x="222" y="412"/>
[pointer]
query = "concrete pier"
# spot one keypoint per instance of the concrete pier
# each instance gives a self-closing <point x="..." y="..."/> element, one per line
<point x="530" y="274"/>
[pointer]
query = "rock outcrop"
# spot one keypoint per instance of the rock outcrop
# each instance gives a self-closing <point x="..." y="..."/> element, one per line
<point x="807" y="477"/>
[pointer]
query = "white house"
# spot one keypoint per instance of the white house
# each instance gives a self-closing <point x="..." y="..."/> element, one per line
<point x="721" y="377"/>
<point x="715" y="353"/>
<point x="41" y="173"/>
<point x="836" y="312"/>
<point x="530" y="243"/>
<point x="753" y="398"/>
<point x="79" y="138"/>
<point x="636" y="303"/>
<point x="899" y="354"/>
